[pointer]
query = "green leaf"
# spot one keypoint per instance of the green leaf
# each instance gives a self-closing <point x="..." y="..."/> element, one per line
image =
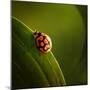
<point x="30" y="67"/>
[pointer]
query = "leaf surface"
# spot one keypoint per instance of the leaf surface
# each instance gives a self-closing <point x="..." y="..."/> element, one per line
<point x="31" y="68"/>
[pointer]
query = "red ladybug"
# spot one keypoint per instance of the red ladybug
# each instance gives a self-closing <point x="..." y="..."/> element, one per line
<point x="43" y="42"/>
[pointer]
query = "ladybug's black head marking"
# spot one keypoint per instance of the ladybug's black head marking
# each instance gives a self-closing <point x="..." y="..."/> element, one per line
<point x="35" y="32"/>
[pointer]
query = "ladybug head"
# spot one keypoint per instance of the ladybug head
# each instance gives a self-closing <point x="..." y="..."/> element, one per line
<point x="36" y="34"/>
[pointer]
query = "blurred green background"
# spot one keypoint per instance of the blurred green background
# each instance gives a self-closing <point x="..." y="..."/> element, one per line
<point x="67" y="26"/>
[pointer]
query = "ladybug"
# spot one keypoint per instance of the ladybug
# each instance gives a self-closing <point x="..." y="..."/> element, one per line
<point x="43" y="42"/>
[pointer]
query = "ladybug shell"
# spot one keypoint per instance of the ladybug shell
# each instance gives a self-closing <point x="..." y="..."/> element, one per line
<point x="43" y="42"/>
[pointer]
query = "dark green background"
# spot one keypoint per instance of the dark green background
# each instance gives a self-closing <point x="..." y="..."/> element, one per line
<point x="67" y="26"/>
